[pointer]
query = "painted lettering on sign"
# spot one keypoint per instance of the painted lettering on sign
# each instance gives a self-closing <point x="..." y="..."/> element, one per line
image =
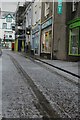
<point x="59" y="6"/>
<point x="47" y="23"/>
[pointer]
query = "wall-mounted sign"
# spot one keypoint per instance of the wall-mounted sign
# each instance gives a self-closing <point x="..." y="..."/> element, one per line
<point x="73" y="25"/>
<point x="36" y="29"/>
<point x="59" y="6"/>
<point x="47" y="23"/>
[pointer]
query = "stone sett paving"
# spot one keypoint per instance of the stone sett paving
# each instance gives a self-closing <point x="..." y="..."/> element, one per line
<point x="63" y="95"/>
<point x="17" y="97"/>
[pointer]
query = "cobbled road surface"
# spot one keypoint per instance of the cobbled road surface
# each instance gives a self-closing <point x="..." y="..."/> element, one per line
<point x="18" y="98"/>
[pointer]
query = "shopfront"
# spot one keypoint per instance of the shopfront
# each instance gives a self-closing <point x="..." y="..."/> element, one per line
<point x="46" y="37"/>
<point x="36" y="40"/>
<point x="74" y="38"/>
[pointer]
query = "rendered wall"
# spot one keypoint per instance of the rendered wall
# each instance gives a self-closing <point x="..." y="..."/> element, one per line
<point x="59" y="47"/>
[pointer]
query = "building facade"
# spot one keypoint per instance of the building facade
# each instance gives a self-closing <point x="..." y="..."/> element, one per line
<point x="20" y="36"/>
<point x="51" y="29"/>
<point x="46" y="29"/>
<point x="60" y="31"/>
<point x="66" y="31"/>
<point x="36" y="26"/>
<point x="28" y="17"/>
<point x="23" y="27"/>
<point x="7" y="34"/>
<point x="74" y="32"/>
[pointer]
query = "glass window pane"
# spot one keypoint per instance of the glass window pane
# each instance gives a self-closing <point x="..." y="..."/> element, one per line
<point x="46" y="41"/>
<point x="9" y="19"/>
<point x="4" y="25"/>
<point x="79" y="43"/>
<point x="74" y="41"/>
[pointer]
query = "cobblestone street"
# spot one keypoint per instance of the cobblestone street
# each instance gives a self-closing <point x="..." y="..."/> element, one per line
<point x="19" y="99"/>
<point x="39" y="60"/>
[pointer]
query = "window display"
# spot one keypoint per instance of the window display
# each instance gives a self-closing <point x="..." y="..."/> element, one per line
<point x="46" y="41"/>
<point x="74" y="41"/>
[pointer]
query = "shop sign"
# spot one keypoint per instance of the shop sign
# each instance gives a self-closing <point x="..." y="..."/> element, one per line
<point x="36" y="29"/>
<point x="46" y="24"/>
<point x="59" y="6"/>
<point x="76" y="24"/>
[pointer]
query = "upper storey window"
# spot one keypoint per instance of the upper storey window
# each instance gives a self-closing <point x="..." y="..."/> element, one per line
<point x="74" y="5"/>
<point x="46" y="8"/>
<point x="9" y="18"/>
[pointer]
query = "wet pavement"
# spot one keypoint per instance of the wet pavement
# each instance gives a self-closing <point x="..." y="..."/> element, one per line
<point x="18" y="98"/>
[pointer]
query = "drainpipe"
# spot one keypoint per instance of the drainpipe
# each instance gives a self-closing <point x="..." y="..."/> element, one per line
<point x="52" y="31"/>
<point x="25" y="35"/>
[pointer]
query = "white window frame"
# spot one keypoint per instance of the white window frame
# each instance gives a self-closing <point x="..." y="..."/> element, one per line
<point x="5" y="26"/>
<point x="47" y="5"/>
<point x="74" y="5"/>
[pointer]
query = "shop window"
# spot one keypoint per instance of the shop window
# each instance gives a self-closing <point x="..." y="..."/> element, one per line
<point x="74" y="42"/>
<point x="46" y="42"/>
<point x="36" y="42"/>
<point x="79" y="43"/>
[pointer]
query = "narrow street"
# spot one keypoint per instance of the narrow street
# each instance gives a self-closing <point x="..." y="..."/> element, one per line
<point x="17" y="97"/>
<point x="30" y="90"/>
<point x="39" y="60"/>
